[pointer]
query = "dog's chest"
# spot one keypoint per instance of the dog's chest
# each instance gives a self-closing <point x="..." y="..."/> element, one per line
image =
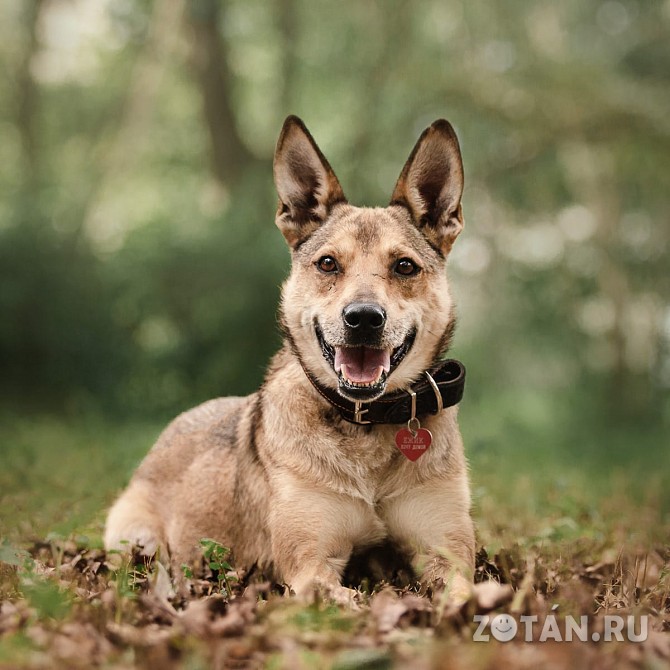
<point x="367" y="463"/>
<point x="361" y="462"/>
<point x="367" y="460"/>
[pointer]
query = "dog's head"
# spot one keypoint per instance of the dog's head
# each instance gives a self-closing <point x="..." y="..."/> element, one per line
<point x="366" y="307"/>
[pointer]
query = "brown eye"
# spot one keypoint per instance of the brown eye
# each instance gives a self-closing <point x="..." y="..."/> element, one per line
<point x="406" y="267"/>
<point x="327" y="264"/>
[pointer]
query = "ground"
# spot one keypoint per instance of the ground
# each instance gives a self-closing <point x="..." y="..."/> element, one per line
<point x="555" y="542"/>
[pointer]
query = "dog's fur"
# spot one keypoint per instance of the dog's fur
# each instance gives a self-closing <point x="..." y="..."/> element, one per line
<point x="279" y="476"/>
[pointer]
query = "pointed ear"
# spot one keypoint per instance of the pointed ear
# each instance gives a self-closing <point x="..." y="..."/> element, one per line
<point x="305" y="182"/>
<point x="430" y="185"/>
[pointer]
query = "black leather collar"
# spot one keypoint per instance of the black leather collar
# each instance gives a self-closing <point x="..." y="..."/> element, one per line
<point x="396" y="407"/>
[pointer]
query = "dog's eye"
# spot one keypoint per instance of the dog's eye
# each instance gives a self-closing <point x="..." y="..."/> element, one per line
<point x="327" y="264"/>
<point x="406" y="267"/>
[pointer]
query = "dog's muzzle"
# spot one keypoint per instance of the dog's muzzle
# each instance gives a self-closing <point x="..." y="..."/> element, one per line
<point x="363" y="365"/>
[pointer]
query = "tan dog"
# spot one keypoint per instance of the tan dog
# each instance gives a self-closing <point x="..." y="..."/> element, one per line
<point x="294" y="478"/>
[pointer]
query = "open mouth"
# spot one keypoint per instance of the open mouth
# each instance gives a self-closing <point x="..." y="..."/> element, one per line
<point x="363" y="371"/>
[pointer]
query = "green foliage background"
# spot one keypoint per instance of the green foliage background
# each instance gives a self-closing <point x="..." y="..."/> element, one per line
<point x="140" y="267"/>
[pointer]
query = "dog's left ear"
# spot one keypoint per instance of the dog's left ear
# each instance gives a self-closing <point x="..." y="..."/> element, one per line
<point x="305" y="182"/>
<point x="430" y="185"/>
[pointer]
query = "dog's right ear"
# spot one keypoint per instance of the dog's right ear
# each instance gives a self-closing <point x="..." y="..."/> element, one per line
<point x="305" y="182"/>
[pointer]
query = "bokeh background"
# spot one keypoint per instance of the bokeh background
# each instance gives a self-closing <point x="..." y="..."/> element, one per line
<point x="140" y="266"/>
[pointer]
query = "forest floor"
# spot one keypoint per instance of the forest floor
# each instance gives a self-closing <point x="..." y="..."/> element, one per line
<point x="561" y="554"/>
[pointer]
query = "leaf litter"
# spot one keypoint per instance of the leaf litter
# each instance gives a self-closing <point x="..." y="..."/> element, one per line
<point x="65" y="605"/>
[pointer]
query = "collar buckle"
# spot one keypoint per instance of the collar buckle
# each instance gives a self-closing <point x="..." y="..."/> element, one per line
<point x="358" y="413"/>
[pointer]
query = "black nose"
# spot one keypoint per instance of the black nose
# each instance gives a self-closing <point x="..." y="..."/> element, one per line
<point x="364" y="317"/>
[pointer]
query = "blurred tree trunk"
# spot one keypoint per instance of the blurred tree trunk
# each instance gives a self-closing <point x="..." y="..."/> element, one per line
<point x="593" y="181"/>
<point x="146" y="78"/>
<point x="614" y="285"/>
<point x="229" y="155"/>
<point x="392" y="26"/>
<point x="117" y="158"/>
<point x="376" y="81"/>
<point x="27" y="95"/>
<point x="288" y="25"/>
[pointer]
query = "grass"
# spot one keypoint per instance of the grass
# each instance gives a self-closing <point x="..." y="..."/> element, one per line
<point x="588" y="536"/>
<point x="58" y="475"/>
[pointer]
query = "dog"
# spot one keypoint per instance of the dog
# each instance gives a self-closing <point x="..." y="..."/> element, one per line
<point x="352" y="440"/>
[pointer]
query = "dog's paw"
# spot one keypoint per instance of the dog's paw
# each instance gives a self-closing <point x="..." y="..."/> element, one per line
<point x="458" y="590"/>
<point x="343" y="596"/>
<point x="161" y="584"/>
<point x="144" y="540"/>
<point x="450" y="597"/>
<point x="321" y="591"/>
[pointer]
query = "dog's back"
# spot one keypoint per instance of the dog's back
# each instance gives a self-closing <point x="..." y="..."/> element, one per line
<point x="186" y="489"/>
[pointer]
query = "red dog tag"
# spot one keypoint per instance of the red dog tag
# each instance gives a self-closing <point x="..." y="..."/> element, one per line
<point x="413" y="445"/>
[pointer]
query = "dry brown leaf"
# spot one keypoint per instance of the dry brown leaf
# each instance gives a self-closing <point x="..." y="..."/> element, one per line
<point x="658" y="644"/>
<point x="135" y="636"/>
<point x="241" y="614"/>
<point x="390" y="610"/>
<point x="386" y="609"/>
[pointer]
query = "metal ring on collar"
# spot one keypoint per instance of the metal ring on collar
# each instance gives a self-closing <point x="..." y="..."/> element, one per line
<point x="436" y="390"/>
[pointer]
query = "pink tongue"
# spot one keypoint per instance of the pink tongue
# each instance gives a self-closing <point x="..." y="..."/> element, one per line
<point x="362" y="365"/>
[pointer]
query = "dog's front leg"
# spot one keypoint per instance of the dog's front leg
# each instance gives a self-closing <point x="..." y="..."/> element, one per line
<point x="313" y="533"/>
<point x="433" y="521"/>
